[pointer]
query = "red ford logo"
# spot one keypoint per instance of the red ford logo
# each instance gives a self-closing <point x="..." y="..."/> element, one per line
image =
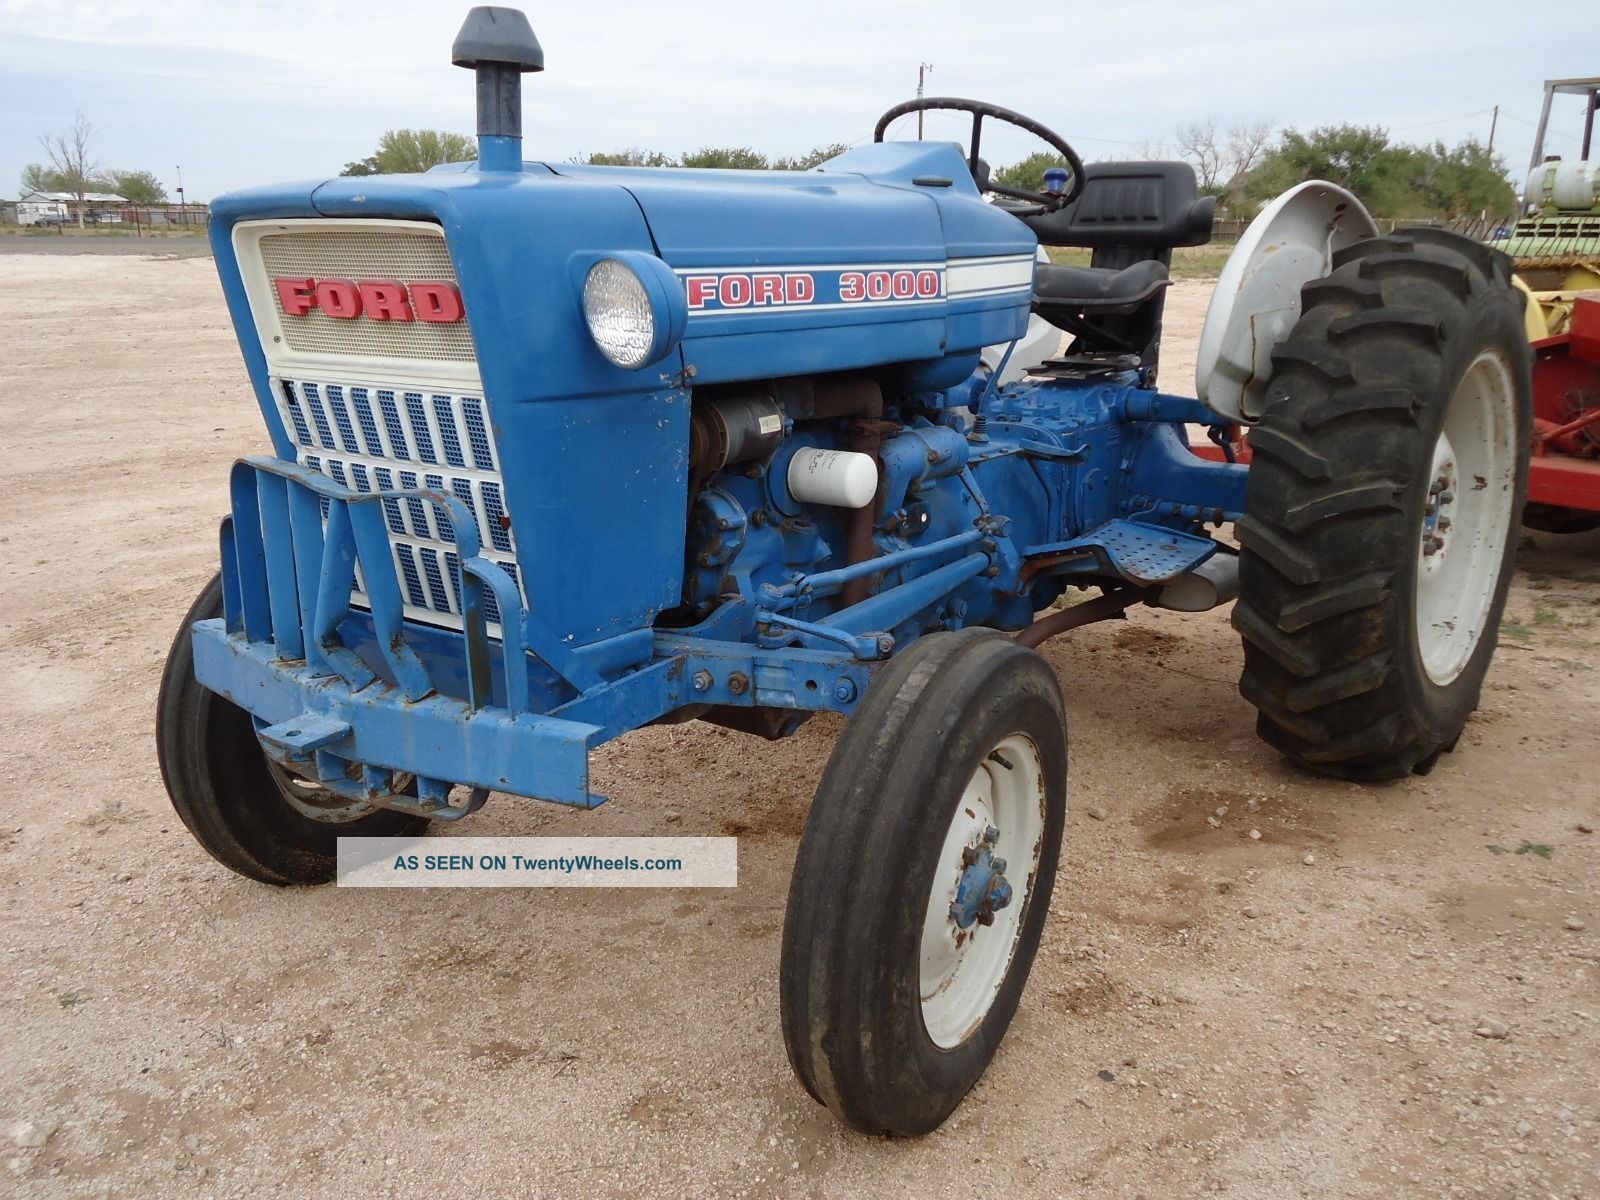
<point x="435" y="301"/>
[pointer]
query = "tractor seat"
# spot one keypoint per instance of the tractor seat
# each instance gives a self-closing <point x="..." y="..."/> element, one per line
<point x="1075" y="290"/>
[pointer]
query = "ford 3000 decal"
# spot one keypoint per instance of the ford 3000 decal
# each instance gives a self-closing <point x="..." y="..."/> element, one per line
<point x="730" y="290"/>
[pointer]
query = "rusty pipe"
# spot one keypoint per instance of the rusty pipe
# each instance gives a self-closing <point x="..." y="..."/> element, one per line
<point x="858" y="397"/>
<point x="828" y="397"/>
<point x="866" y="437"/>
<point x="1103" y="607"/>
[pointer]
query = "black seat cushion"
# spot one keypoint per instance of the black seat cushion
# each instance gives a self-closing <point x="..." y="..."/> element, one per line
<point x="1096" y="289"/>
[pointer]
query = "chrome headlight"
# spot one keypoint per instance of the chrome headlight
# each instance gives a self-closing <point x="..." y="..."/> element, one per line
<point x="635" y="307"/>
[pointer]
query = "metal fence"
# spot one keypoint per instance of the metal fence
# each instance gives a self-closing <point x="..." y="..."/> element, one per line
<point x="136" y="220"/>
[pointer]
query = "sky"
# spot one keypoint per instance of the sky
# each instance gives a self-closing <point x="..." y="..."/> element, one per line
<point x="236" y="92"/>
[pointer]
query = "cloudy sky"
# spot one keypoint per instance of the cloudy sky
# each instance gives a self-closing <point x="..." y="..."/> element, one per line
<point x="237" y="92"/>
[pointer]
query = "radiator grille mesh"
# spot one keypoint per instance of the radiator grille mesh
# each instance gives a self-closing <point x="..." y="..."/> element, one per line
<point x="357" y="254"/>
<point x="372" y="437"/>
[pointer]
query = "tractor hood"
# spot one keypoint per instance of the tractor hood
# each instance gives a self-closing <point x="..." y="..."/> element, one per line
<point x="884" y="256"/>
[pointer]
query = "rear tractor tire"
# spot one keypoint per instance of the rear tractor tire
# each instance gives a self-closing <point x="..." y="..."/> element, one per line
<point x="923" y="880"/>
<point x="1385" y="493"/>
<point x="247" y="812"/>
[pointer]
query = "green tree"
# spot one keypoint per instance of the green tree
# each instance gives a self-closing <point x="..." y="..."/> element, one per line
<point x="410" y="151"/>
<point x="1468" y="181"/>
<point x="811" y="159"/>
<point x="730" y="158"/>
<point x="36" y="177"/>
<point x="1029" y="173"/>
<point x="1393" y="180"/>
<point x="1360" y="158"/>
<point x="141" y="187"/>
<point x="632" y="157"/>
<point x="727" y="158"/>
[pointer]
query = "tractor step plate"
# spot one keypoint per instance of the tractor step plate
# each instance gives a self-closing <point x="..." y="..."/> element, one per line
<point x="1142" y="554"/>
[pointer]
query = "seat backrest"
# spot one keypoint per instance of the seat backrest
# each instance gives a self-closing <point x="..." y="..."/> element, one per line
<point x="1145" y="205"/>
<point x="1127" y="213"/>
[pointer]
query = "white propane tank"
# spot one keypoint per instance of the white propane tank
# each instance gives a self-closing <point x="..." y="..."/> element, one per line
<point x="1569" y="186"/>
<point x="841" y="478"/>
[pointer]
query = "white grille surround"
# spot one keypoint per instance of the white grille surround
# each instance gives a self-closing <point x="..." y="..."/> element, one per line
<point x="357" y="249"/>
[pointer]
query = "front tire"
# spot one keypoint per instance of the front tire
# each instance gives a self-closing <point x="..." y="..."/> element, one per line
<point x="250" y="816"/>
<point x="891" y="1008"/>
<point x="1388" y="480"/>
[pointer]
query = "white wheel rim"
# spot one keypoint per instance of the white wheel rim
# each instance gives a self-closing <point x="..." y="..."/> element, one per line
<point x="963" y="969"/>
<point x="310" y="799"/>
<point x="1467" y="517"/>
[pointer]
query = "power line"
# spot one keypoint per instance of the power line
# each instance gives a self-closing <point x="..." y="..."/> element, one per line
<point x="1482" y="112"/>
<point x="1549" y="133"/>
<point x="1078" y="137"/>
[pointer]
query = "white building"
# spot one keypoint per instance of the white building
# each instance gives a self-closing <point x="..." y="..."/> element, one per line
<point x="59" y="208"/>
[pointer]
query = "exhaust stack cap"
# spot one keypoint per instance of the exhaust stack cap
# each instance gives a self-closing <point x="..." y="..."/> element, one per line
<point x="498" y="44"/>
<point x="498" y="36"/>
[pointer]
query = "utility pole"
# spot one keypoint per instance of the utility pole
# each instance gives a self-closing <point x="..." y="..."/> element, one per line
<point x="183" y="212"/>
<point x="922" y="75"/>
<point x="1493" y="121"/>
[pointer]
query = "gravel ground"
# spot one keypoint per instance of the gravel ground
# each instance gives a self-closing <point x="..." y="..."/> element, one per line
<point x="1390" y="992"/>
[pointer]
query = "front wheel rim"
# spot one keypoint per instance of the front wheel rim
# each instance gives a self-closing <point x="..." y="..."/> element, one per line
<point x="1466" y="517"/>
<point x="962" y="970"/>
<point x="314" y="801"/>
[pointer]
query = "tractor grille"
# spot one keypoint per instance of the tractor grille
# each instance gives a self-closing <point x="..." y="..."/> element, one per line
<point x="356" y="253"/>
<point x="373" y="437"/>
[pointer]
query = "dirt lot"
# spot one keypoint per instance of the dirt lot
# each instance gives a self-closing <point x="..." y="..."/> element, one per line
<point x="1210" y="1014"/>
<point x="166" y="245"/>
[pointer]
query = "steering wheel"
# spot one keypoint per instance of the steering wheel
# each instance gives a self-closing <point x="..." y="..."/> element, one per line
<point x="1046" y="201"/>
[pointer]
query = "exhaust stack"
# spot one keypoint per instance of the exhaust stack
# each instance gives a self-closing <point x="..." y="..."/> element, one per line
<point x="498" y="44"/>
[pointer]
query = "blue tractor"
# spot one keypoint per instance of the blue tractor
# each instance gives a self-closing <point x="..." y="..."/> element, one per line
<point x="559" y="451"/>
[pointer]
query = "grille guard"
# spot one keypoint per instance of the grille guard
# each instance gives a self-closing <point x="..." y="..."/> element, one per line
<point x="288" y="574"/>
